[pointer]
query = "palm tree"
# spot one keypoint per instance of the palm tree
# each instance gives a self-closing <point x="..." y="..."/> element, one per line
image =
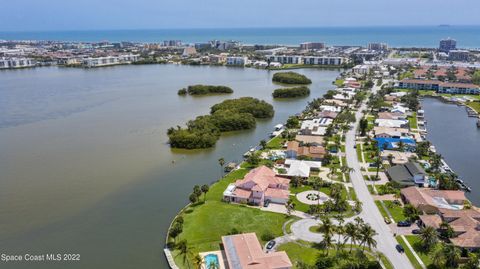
<point x="328" y="228"/>
<point x="204" y="189"/>
<point x="263" y="144"/>
<point x="221" y="162"/>
<point x="333" y="171"/>
<point x="345" y="169"/>
<point x="213" y="265"/>
<point x="351" y="233"/>
<point x="339" y="229"/>
<point x="428" y="237"/>
<point x="451" y="254"/>
<point x="290" y="205"/>
<point x="185" y="251"/>
<point x="367" y="233"/>
<point x="197" y="261"/>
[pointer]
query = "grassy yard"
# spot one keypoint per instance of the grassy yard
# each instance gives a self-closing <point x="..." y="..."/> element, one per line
<point x="359" y="153"/>
<point x="339" y="82"/>
<point x="353" y="195"/>
<point x="425" y="256"/>
<point x="205" y="223"/>
<point x="412" y="120"/>
<point x="409" y="253"/>
<point x="380" y="208"/>
<point x="396" y="210"/>
<point x="370" y="189"/>
<point x="308" y="253"/>
<point x="276" y="143"/>
<point x="474" y="105"/>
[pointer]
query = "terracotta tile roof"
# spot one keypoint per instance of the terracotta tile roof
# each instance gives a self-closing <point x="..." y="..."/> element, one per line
<point x="244" y="251"/>
<point x="242" y="193"/>
<point x="468" y="239"/>
<point x="262" y="177"/>
<point x="431" y="220"/>
<point x="419" y="196"/>
<point x="277" y="193"/>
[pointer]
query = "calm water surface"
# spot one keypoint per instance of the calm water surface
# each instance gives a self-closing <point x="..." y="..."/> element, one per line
<point x="457" y="138"/>
<point x="84" y="163"/>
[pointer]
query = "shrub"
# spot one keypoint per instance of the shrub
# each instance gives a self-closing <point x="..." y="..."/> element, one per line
<point x="267" y="236"/>
<point x="290" y="78"/>
<point x="207" y="89"/>
<point x="182" y="91"/>
<point x="230" y="115"/>
<point x="291" y="92"/>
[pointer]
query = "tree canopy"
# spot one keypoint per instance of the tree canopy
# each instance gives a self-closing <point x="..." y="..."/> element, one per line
<point x="290" y="78"/>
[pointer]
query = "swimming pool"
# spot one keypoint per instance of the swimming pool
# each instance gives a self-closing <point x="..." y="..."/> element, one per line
<point x="211" y="259"/>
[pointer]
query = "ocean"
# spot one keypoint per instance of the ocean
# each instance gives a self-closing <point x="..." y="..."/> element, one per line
<point x="395" y="36"/>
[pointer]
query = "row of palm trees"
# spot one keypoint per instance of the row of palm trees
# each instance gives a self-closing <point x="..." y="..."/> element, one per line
<point x="356" y="232"/>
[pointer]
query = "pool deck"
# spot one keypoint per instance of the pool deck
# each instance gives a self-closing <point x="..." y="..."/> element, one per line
<point x="220" y="256"/>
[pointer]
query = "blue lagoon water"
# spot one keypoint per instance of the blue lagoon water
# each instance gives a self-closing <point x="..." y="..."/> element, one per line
<point x="398" y="36"/>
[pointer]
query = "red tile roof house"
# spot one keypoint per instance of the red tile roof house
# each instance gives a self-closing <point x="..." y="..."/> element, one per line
<point x="243" y="251"/>
<point x="259" y="185"/>
<point x="430" y="201"/>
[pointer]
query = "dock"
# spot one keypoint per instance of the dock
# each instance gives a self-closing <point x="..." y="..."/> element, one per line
<point x="171" y="261"/>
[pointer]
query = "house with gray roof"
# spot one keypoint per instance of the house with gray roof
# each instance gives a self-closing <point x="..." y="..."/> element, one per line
<point x="408" y="174"/>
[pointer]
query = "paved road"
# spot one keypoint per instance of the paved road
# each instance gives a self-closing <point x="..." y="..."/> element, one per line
<point x="385" y="240"/>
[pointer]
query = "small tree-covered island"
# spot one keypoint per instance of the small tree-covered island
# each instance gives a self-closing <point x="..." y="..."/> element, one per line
<point x="230" y="115"/>
<point x="204" y="90"/>
<point x="290" y="78"/>
<point x="292" y="92"/>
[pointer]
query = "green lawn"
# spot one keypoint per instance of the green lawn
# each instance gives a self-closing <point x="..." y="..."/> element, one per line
<point x="425" y="256"/>
<point x="308" y="253"/>
<point x="474" y="105"/>
<point x="359" y="153"/>
<point x="370" y="189"/>
<point x="380" y="208"/>
<point x="395" y="210"/>
<point x="409" y="253"/>
<point x="205" y="223"/>
<point x="339" y="82"/>
<point x="412" y="120"/>
<point x="276" y="143"/>
<point x="353" y="195"/>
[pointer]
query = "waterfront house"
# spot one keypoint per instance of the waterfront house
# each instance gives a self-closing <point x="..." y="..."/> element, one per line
<point x="327" y="114"/>
<point x="392" y="123"/>
<point x="301" y="168"/>
<point x="315" y="126"/>
<point x="408" y="174"/>
<point x="397" y="157"/>
<point x="465" y="223"/>
<point x="391" y="116"/>
<point x="243" y="251"/>
<point x="430" y="201"/>
<point x="259" y="185"/>
<point x="388" y="132"/>
<point x="294" y="150"/>
<point x="314" y="140"/>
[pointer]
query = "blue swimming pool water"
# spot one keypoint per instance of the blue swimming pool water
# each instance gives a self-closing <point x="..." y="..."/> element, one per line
<point x="211" y="258"/>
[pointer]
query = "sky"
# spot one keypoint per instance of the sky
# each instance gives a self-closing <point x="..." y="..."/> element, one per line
<point x="50" y="15"/>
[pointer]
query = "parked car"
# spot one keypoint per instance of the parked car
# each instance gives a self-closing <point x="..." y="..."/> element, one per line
<point x="266" y="203"/>
<point x="404" y="223"/>
<point x="416" y="231"/>
<point x="372" y="164"/>
<point x="387" y="220"/>
<point x="399" y="248"/>
<point x="270" y="245"/>
<point x="355" y="146"/>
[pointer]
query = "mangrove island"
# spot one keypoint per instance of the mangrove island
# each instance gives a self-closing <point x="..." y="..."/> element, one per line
<point x="291" y="78"/>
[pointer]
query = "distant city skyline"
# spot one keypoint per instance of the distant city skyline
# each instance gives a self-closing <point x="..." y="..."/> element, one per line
<point x="59" y="15"/>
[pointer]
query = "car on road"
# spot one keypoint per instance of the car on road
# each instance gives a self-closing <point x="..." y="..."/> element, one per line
<point x="266" y="203"/>
<point x="355" y="146"/>
<point x="399" y="248"/>
<point x="416" y="231"/>
<point x="387" y="220"/>
<point x="270" y="245"/>
<point x="404" y="223"/>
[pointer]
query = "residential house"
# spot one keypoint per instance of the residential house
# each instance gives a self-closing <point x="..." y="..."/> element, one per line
<point x="301" y="168"/>
<point x="408" y="174"/>
<point x="259" y="185"/>
<point x="430" y="201"/>
<point x="397" y="157"/>
<point x="392" y="123"/>
<point x="389" y="132"/>
<point x="310" y="139"/>
<point x="243" y="251"/>
<point x="294" y="150"/>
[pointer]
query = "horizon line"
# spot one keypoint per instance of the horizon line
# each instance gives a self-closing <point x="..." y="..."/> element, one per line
<point x="233" y="27"/>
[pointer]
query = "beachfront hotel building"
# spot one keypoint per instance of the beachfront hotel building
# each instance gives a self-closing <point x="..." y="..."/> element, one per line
<point x="310" y="60"/>
<point x="109" y="60"/>
<point x="237" y="60"/>
<point x="11" y="63"/>
<point x="439" y="86"/>
<point x="447" y="45"/>
<point x="312" y="46"/>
